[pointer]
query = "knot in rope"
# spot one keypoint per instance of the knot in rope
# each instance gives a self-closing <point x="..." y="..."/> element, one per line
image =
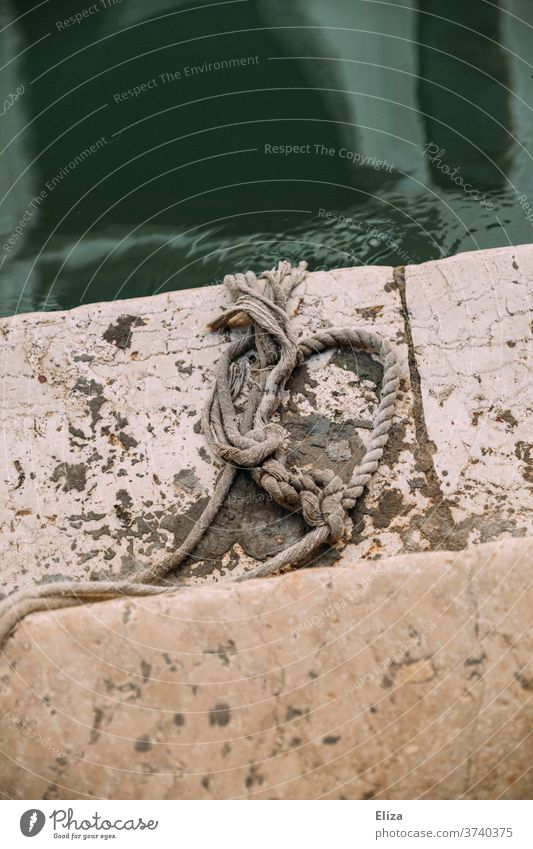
<point x="317" y="493"/>
<point x="323" y="505"/>
<point x="260" y="305"/>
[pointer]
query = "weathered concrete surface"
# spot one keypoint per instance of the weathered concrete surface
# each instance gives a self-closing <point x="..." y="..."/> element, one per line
<point x="470" y="319"/>
<point x="104" y="462"/>
<point x="405" y="679"/>
<point x="105" y="466"/>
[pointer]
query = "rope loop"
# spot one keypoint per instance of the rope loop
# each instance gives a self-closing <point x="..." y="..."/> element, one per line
<point x="319" y="495"/>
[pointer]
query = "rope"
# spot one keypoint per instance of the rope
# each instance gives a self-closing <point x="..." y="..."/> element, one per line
<point x="251" y="440"/>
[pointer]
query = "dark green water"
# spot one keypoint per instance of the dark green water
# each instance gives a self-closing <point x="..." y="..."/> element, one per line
<point x="155" y="146"/>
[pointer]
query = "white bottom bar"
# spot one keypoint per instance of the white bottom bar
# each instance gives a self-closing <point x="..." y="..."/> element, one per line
<point x="269" y="825"/>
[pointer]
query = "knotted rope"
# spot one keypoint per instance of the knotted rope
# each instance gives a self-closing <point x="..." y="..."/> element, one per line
<point x="251" y="440"/>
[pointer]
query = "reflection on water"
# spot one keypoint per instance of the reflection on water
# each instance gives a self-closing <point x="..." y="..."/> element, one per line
<point x="149" y="147"/>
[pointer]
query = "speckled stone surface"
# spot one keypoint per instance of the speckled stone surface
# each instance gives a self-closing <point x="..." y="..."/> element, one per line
<point x="104" y="461"/>
<point x="470" y="319"/>
<point x="403" y="679"/>
<point x="104" y="466"/>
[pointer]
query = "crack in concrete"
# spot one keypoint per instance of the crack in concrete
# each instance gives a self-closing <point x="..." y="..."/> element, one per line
<point x="441" y="533"/>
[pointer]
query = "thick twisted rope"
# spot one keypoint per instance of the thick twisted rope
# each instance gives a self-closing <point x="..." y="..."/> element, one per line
<point x="251" y="440"/>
